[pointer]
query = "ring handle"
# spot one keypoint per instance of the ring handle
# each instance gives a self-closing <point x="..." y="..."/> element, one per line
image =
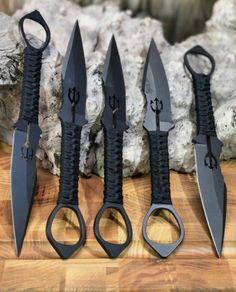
<point x="37" y="17"/>
<point x="198" y="50"/>
<point x="164" y="250"/>
<point x="112" y="249"/>
<point x="65" y="251"/>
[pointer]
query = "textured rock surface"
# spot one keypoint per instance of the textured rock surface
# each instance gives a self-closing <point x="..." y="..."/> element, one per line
<point x="133" y="36"/>
<point x="174" y="13"/>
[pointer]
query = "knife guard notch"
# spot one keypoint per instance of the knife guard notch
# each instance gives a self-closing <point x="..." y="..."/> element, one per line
<point x="159" y="163"/>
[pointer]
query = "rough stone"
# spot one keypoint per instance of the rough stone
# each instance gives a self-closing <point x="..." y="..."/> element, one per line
<point x="133" y="35"/>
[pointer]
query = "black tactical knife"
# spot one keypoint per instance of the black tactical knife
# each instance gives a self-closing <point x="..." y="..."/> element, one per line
<point x="26" y="134"/>
<point x="72" y="116"/>
<point x="114" y="124"/>
<point x="158" y="123"/>
<point x="207" y="152"/>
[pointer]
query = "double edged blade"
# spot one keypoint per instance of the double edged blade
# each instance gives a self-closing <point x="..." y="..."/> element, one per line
<point x="156" y="89"/>
<point x="74" y="79"/>
<point x="23" y="181"/>
<point x="114" y="88"/>
<point x="212" y="191"/>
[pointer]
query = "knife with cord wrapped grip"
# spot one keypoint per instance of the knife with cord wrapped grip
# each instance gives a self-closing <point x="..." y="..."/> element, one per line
<point x="158" y="123"/>
<point x="207" y="148"/>
<point x="26" y="134"/>
<point x="114" y="124"/>
<point x="72" y="116"/>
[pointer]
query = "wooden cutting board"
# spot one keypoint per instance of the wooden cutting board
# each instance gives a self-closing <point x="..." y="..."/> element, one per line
<point x="193" y="266"/>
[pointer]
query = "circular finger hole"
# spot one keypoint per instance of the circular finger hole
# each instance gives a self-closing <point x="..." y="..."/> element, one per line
<point x="112" y="227"/>
<point x="162" y="227"/>
<point x="35" y="33"/>
<point x="200" y="64"/>
<point x="66" y="227"/>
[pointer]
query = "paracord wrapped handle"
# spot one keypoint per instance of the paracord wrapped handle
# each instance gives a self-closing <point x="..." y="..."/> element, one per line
<point x="32" y="71"/>
<point x="70" y="157"/>
<point x="113" y="198"/>
<point x="202" y="91"/>
<point x="113" y="144"/>
<point x="68" y="193"/>
<point x="159" y="163"/>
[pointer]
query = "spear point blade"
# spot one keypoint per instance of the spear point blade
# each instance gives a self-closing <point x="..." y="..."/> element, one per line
<point x="74" y="79"/>
<point x="156" y="90"/>
<point x="114" y="88"/>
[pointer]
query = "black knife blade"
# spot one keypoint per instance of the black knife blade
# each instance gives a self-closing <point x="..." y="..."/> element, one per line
<point x="114" y="124"/>
<point x="207" y="148"/>
<point x="26" y="135"/>
<point x="72" y="116"/>
<point x="158" y="123"/>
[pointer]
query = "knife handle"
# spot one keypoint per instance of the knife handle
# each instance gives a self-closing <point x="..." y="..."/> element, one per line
<point x="159" y="163"/>
<point x="113" y="160"/>
<point x="32" y="71"/>
<point x="68" y="193"/>
<point x="31" y="86"/>
<point x="70" y="156"/>
<point x="202" y="91"/>
<point x="113" y="198"/>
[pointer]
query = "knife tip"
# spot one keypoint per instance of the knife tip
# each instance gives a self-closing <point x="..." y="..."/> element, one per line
<point x="18" y="247"/>
<point x="218" y="248"/>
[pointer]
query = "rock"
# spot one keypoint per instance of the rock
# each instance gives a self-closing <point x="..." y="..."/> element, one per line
<point x="174" y="13"/>
<point x="98" y="23"/>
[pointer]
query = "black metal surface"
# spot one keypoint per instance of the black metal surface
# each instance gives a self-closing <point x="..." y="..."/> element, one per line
<point x="207" y="148"/>
<point x="72" y="116"/>
<point x="164" y="250"/>
<point x="114" y="124"/>
<point x="26" y="135"/>
<point x="158" y="123"/>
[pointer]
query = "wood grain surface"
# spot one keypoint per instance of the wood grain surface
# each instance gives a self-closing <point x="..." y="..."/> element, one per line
<point x="194" y="265"/>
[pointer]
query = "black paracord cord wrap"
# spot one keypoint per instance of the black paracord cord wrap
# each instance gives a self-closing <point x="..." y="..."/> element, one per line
<point x="159" y="163"/>
<point x="205" y="116"/>
<point x="31" y="85"/>
<point x="113" y="141"/>
<point x="68" y="193"/>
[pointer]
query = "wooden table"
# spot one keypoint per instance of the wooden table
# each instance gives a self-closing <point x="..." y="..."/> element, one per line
<point x="193" y="266"/>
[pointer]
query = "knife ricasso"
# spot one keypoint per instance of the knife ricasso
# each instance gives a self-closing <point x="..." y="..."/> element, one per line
<point x="65" y="116"/>
<point x="202" y="139"/>
<point x="21" y="125"/>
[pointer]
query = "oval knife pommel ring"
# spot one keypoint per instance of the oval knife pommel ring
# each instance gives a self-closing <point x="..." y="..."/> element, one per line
<point x="164" y="250"/>
<point x="37" y="17"/>
<point x="113" y="249"/>
<point x="66" y="250"/>
<point x="198" y="51"/>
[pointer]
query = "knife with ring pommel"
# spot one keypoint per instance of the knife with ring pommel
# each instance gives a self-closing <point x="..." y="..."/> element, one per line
<point x="114" y="124"/>
<point x="207" y="148"/>
<point x="158" y="123"/>
<point x="72" y="116"/>
<point x="27" y="133"/>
